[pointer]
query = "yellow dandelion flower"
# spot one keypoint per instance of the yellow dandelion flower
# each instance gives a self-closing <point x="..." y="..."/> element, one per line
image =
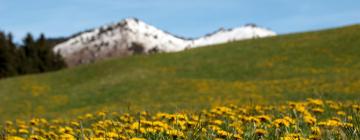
<point x="175" y="133"/>
<point x="260" y="132"/>
<point x="264" y="118"/>
<point x="315" y="131"/>
<point x="217" y="122"/>
<point x="341" y="113"/>
<point x="317" y="110"/>
<point x="223" y="134"/>
<point x="137" y="139"/>
<point x="67" y="137"/>
<point x="315" y="102"/>
<point x="112" y="135"/>
<point x="34" y="122"/>
<point x="310" y="120"/>
<point x="36" y="137"/>
<point x="89" y="116"/>
<point x="23" y="131"/>
<point x="15" y="138"/>
<point x="292" y="136"/>
<point x="76" y="124"/>
<point x="101" y="114"/>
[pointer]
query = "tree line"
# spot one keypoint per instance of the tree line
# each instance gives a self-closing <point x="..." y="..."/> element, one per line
<point x="32" y="56"/>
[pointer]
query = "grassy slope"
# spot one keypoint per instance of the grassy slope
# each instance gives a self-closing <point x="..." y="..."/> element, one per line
<point x="321" y="64"/>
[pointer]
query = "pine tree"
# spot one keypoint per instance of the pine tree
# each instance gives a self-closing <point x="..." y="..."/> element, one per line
<point x="13" y="50"/>
<point x="29" y="55"/>
<point x="34" y="56"/>
<point x="6" y="58"/>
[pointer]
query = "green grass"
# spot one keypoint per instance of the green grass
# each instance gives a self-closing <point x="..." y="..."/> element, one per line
<point x="322" y="64"/>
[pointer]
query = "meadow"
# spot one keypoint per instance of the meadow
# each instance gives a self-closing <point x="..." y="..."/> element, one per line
<point x="312" y="119"/>
<point x="269" y="71"/>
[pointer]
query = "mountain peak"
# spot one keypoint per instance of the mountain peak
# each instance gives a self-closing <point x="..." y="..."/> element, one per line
<point x="251" y="25"/>
<point x="131" y="19"/>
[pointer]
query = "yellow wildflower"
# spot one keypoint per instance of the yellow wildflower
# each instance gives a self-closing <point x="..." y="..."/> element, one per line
<point x="260" y="132"/>
<point x="317" y="110"/>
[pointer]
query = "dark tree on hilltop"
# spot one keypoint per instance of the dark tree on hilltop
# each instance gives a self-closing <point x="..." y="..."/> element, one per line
<point x="6" y="69"/>
<point x="34" y="56"/>
<point x="49" y="61"/>
<point x="28" y="55"/>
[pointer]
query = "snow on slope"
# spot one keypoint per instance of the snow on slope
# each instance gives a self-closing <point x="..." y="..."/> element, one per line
<point x="132" y="36"/>
<point x="122" y="36"/>
<point x="240" y="33"/>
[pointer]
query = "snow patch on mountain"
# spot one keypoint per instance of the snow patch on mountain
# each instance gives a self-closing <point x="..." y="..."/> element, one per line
<point x="228" y="35"/>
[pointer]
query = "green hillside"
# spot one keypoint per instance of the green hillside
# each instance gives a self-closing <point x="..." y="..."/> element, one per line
<point x="323" y="64"/>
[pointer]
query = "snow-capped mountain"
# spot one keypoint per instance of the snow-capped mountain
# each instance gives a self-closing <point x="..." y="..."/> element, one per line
<point x="227" y="35"/>
<point x="131" y="36"/>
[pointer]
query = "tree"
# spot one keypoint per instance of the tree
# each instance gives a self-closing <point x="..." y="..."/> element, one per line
<point x="29" y="57"/>
<point x="34" y="56"/>
<point x="6" y="58"/>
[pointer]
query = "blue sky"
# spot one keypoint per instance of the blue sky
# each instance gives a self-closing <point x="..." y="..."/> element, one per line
<point x="189" y="18"/>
